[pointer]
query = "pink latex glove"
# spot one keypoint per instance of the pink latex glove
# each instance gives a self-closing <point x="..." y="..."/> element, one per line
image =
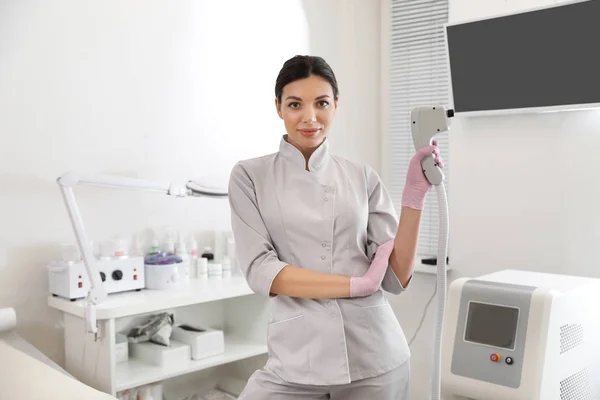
<point x="370" y="282"/>
<point x="417" y="186"/>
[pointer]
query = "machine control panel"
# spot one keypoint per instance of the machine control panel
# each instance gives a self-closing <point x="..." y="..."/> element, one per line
<point x="490" y="334"/>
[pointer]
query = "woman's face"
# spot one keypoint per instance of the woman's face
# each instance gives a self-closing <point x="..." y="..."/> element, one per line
<point x="307" y="108"/>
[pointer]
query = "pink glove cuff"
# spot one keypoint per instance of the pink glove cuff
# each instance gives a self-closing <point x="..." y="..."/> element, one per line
<point x="360" y="287"/>
<point x="370" y="282"/>
<point x="412" y="198"/>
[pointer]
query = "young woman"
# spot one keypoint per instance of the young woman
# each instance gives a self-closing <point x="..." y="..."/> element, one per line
<point x="319" y="234"/>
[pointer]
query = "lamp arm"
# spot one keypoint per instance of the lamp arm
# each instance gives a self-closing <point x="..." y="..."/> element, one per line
<point x="97" y="294"/>
<point x="74" y="178"/>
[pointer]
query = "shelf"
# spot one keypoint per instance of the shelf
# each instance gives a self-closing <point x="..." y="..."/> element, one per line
<point x="125" y="304"/>
<point x="426" y="268"/>
<point x="135" y="373"/>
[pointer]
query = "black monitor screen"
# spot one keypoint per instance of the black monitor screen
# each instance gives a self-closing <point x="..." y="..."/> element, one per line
<point x="539" y="58"/>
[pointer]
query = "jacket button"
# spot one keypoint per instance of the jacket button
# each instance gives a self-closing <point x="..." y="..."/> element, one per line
<point x="322" y="257"/>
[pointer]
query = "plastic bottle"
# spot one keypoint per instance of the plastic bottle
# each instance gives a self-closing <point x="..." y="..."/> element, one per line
<point x="154" y="247"/>
<point x="168" y="241"/>
<point x="215" y="270"/>
<point x="226" y="267"/>
<point x="169" y="245"/>
<point x="235" y="268"/>
<point x="226" y="263"/>
<point x="184" y="267"/>
<point x="231" y="248"/>
<point x="206" y="258"/>
<point x="193" y="258"/>
<point x="201" y="268"/>
<point x="136" y="246"/>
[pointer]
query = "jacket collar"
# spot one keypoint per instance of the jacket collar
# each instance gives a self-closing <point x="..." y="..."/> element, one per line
<point x="317" y="160"/>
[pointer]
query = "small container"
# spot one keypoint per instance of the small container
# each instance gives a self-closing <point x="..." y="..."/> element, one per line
<point x="201" y="267"/>
<point x="184" y="267"/>
<point x="193" y="247"/>
<point x="136" y="247"/>
<point x="215" y="270"/>
<point x="120" y="248"/>
<point x="227" y="271"/>
<point x="235" y="267"/>
<point x="154" y="247"/>
<point x="226" y="263"/>
<point x="169" y="240"/>
<point x="169" y="246"/>
<point x="230" y="247"/>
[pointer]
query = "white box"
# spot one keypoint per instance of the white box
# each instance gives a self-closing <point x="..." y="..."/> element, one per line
<point x="121" y="348"/>
<point x="204" y="342"/>
<point x="160" y="355"/>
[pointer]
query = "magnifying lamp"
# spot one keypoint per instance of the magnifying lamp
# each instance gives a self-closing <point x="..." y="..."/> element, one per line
<point x="97" y="294"/>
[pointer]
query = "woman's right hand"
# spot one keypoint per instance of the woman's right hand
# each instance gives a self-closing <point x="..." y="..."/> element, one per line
<point x="370" y="282"/>
<point x="417" y="185"/>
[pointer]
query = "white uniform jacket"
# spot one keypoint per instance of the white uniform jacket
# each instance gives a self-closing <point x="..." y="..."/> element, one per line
<point x="329" y="219"/>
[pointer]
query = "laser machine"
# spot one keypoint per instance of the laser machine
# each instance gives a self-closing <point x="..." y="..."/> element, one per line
<point x="518" y="335"/>
<point x="522" y="335"/>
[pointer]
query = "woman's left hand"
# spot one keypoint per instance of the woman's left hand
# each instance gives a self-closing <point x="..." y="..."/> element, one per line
<point x="370" y="282"/>
<point x="417" y="185"/>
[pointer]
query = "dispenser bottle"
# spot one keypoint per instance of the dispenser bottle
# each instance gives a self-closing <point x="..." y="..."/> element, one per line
<point x="184" y="267"/>
<point x="193" y="258"/>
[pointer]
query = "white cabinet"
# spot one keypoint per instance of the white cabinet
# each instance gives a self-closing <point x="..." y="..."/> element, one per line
<point x="224" y="303"/>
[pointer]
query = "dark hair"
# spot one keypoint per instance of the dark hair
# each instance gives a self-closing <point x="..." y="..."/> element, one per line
<point x="300" y="67"/>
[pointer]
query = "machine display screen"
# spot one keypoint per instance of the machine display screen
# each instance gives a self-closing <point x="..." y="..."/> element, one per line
<point x="492" y="325"/>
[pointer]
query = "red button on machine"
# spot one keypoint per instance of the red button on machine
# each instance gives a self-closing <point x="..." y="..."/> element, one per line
<point x="495" y="357"/>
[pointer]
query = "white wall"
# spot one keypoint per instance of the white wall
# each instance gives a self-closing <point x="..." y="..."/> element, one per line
<point x="523" y="195"/>
<point x="155" y="90"/>
<point x="346" y="33"/>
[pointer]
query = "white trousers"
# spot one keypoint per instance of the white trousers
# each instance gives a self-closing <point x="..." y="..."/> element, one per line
<point x="393" y="385"/>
